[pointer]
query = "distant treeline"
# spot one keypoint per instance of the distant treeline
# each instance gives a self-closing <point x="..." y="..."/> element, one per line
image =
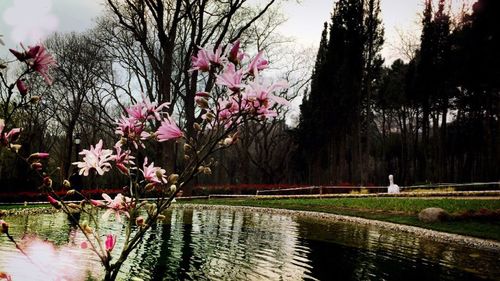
<point x="432" y="119"/>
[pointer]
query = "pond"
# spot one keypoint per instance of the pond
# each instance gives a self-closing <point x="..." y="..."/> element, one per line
<point x="221" y="244"/>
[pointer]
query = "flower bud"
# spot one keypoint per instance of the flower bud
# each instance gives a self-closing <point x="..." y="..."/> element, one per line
<point x="21" y="86"/>
<point x="228" y="141"/>
<point x="186" y="157"/>
<point x="37" y="166"/>
<point x="161" y="217"/>
<point x="66" y="184"/>
<point x="207" y="171"/>
<point x="202" y="94"/>
<point x="15" y="147"/>
<point x="201" y="102"/>
<point x="123" y="169"/>
<point x="38" y="155"/>
<point x="187" y="147"/>
<point x="96" y="203"/>
<point x="200" y="169"/>
<point x="70" y="192"/>
<point x="139" y="221"/>
<point x="73" y="206"/>
<point x="87" y="229"/>
<point x="173" y="188"/>
<point x="54" y="202"/>
<point x="209" y="116"/>
<point x="4" y="227"/>
<point x="150" y="186"/>
<point x="197" y="126"/>
<point x="35" y="99"/>
<point x="173" y="178"/>
<point x="47" y="182"/>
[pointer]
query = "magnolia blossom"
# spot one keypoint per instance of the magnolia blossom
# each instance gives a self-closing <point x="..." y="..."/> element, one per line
<point x="95" y="159"/>
<point x="201" y="61"/>
<point x="21" y="86"/>
<point x="231" y="78"/>
<point x="119" y="205"/>
<point x="41" y="61"/>
<point x="146" y="109"/>
<point x="257" y="64"/>
<point x="168" y="130"/>
<point x="6" y="138"/>
<point x="227" y="108"/>
<point x="235" y="54"/>
<point x="131" y="129"/>
<point x="110" y="242"/>
<point x="205" y="58"/>
<point x="152" y="174"/>
<point x="259" y="98"/>
<point x="122" y="158"/>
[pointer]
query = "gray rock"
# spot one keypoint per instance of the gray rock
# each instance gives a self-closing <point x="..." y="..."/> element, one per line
<point x="433" y="215"/>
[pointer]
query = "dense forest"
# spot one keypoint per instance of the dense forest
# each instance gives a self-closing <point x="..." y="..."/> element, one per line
<point x="432" y="119"/>
<point x="431" y="116"/>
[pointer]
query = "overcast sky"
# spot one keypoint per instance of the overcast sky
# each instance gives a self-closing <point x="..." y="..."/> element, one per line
<point x="29" y="21"/>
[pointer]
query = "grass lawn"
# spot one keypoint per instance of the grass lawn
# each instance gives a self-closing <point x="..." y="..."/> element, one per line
<point x="397" y="210"/>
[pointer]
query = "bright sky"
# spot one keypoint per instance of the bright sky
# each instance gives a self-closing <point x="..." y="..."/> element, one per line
<point x="29" y="21"/>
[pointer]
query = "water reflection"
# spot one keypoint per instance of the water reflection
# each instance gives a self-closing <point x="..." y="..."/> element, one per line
<point x="238" y="245"/>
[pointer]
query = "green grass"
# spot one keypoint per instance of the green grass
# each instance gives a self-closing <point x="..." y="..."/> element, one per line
<point x="21" y="206"/>
<point x="397" y="210"/>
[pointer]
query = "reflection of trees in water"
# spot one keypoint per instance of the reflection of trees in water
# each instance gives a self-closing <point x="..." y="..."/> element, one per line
<point x="357" y="252"/>
<point x="214" y="244"/>
<point x="234" y="245"/>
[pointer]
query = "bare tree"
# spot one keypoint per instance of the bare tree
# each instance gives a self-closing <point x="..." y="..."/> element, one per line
<point x="75" y="98"/>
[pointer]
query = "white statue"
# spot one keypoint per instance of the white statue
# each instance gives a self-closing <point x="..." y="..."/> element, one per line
<point x="392" y="188"/>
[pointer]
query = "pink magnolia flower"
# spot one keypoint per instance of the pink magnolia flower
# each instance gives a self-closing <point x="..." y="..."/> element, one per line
<point x="168" y="130"/>
<point x="231" y="78"/>
<point x="41" y="61"/>
<point x="205" y="58"/>
<point x="110" y="242"/>
<point x="235" y="54"/>
<point x="119" y="205"/>
<point x="257" y="64"/>
<point x="146" y="109"/>
<point x="131" y="129"/>
<point x="227" y="108"/>
<point x="95" y="159"/>
<point x="152" y="174"/>
<point x="216" y="57"/>
<point x="6" y="138"/>
<point x="201" y="61"/>
<point x="122" y="159"/>
<point x="259" y="99"/>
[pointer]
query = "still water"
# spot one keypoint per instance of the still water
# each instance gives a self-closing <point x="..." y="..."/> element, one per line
<point x="239" y="245"/>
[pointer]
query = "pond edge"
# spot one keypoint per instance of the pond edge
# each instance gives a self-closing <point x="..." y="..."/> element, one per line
<point x="439" y="236"/>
